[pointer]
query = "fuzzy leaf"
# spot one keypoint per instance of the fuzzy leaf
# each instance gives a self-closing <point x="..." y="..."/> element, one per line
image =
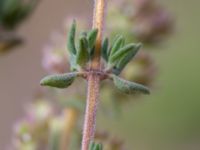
<point x="119" y="41"/>
<point x="129" y="87"/>
<point x="82" y="53"/>
<point x="105" y="48"/>
<point x="91" y="37"/>
<point x="59" y="81"/>
<point x="94" y="146"/>
<point x="127" y="58"/>
<point x="71" y="39"/>
<point x="122" y="51"/>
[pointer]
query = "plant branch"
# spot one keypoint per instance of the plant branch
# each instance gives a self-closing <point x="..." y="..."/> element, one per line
<point x="93" y="78"/>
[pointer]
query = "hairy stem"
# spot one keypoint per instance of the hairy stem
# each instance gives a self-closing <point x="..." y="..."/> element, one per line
<point x="91" y="108"/>
<point x="93" y="78"/>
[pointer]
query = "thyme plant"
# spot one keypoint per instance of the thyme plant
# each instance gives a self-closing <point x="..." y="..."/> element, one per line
<point x="94" y="60"/>
<point x="56" y="125"/>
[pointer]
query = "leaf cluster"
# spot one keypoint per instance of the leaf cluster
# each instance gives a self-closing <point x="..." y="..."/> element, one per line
<point x="82" y="52"/>
<point x="116" y="56"/>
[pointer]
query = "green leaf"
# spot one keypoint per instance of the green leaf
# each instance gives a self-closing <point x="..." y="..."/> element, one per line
<point x="94" y="146"/>
<point x="122" y="51"/>
<point x="127" y="58"/>
<point x="82" y="53"/>
<point x="59" y="81"/>
<point x="105" y="49"/>
<point x="71" y="39"/>
<point x="129" y="87"/>
<point x="91" y="37"/>
<point x="119" y="41"/>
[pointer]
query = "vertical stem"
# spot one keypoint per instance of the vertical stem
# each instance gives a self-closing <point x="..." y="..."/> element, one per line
<point x="91" y="109"/>
<point x="93" y="78"/>
<point x="98" y="22"/>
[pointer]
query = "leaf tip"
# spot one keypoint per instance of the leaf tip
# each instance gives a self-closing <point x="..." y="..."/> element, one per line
<point x="43" y="81"/>
<point x="147" y="91"/>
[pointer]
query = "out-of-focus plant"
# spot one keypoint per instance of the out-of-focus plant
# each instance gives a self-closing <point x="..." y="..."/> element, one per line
<point x="31" y="132"/>
<point x="12" y="13"/>
<point x="148" y="21"/>
<point x="43" y="127"/>
<point x="96" y="59"/>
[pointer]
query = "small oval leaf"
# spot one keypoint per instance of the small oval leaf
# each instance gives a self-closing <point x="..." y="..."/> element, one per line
<point x="129" y="87"/>
<point x="91" y="37"/>
<point x="71" y="39"/>
<point x="105" y="48"/>
<point x="82" y="53"/>
<point x="122" y="51"/>
<point x="127" y="58"/>
<point x="59" y="81"/>
<point x="119" y="41"/>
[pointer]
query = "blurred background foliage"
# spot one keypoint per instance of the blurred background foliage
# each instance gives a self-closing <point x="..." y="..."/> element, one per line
<point x="170" y="117"/>
<point x="12" y="14"/>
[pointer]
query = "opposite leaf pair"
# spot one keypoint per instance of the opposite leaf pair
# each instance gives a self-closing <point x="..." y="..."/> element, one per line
<point x="116" y="57"/>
